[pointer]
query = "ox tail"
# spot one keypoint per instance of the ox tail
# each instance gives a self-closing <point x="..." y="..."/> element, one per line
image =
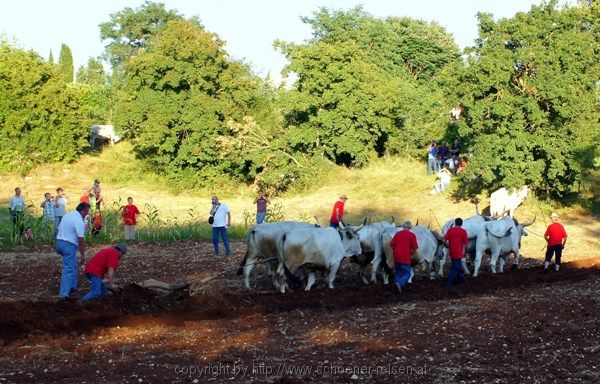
<point x="249" y="238"/>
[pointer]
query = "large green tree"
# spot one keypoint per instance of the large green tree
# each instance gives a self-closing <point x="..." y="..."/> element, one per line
<point x="180" y="93"/>
<point x="41" y="119"/>
<point x="129" y="30"/>
<point x="363" y="86"/>
<point x="66" y="68"/>
<point x="529" y="92"/>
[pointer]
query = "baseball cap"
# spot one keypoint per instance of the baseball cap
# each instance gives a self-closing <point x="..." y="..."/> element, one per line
<point x="121" y="247"/>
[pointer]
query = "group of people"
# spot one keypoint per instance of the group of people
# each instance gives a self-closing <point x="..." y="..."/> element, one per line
<point x="404" y="245"/>
<point x="444" y="162"/>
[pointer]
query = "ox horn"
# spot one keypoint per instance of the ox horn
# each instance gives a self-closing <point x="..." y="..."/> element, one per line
<point x="360" y="226"/>
<point x="477" y="210"/>
<point x="342" y="226"/>
<point x="530" y="222"/>
<point x="317" y="220"/>
<point x="393" y="221"/>
<point x="417" y="222"/>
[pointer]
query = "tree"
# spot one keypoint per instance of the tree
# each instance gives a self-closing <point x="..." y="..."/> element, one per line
<point x="178" y="95"/>
<point x="531" y="110"/>
<point x="65" y="64"/>
<point x="50" y="58"/>
<point x="361" y="88"/>
<point x="41" y="120"/>
<point x="129" y="30"/>
<point x="92" y="74"/>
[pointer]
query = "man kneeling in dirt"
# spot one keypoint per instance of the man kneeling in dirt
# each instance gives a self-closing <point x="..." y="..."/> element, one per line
<point x="106" y="260"/>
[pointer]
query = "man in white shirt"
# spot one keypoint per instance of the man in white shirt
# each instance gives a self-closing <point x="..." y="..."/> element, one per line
<point x="16" y="208"/>
<point x="222" y="221"/>
<point x="71" y="232"/>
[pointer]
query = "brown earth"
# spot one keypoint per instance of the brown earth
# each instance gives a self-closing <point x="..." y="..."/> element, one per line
<point x="520" y="326"/>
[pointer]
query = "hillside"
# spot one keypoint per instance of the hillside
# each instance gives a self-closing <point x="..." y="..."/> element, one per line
<point x="390" y="187"/>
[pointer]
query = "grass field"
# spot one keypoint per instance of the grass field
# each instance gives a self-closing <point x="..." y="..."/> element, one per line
<point x="389" y="188"/>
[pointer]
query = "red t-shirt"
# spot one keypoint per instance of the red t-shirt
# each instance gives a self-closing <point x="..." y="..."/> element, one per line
<point x="403" y="243"/>
<point x="101" y="261"/>
<point x="129" y="212"/>
<point x="339" y="205"/>
<point x="84" y="199"/>
<point x="556" y="232"/>
<point x="457" y="239"/>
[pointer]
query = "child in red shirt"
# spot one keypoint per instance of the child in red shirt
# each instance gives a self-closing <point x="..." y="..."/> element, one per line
<point x="130" y="214"/>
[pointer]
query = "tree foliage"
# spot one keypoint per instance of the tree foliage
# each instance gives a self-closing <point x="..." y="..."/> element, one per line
<point x="41" y="119"/>
<point x="361" y="90"/>
<point x="529" y="92"/>
<point x="129" y="30"/>
<point x="65" y="64"/>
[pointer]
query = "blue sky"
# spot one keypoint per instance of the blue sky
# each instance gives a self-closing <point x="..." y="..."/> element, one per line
<point x="248" y="27"/>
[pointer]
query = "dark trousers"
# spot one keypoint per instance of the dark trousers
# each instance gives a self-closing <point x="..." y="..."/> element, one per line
<point x="554" y="250"/>
<point x="18" y="220"/>
<point x="456" y="271"/>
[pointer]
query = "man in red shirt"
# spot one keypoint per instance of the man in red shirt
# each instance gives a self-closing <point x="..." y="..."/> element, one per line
<point x="556" y="237"/>
<point x="130" y="214"/>
<point x="457" y="239"/>
<point x="404" y="245"/>
<point x="337" y="214"/>
<point x="105" y="261"/>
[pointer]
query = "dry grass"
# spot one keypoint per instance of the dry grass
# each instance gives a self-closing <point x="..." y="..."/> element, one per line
<point x="390" y="187"/>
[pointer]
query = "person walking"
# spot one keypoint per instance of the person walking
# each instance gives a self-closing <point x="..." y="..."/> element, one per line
<point x="261" y="207"/>
<point x="103" y="262"/>
<point x="556" y="238"/>
<point x="337" y="214"/>
<point x="221" y="221"/>
<point x="404" y="245"/>
<point x="130" y="214"/>
<point x="456" y="239"/>
<point x="16" y="208"/>
<point x="69" y="238"/>
<point x="97" y="191"/>
<point x="60" y="208"/>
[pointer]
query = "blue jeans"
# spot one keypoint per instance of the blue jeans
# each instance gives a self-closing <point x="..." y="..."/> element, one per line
<point x="334" y="225"/>
<point x="260" y="217"/>
<point x="432" y="166"/>
<point x="215" y="238"/>
<point x="456" y="271"/>
<point x="70" y="269"/>
<point x="97" y="288"/>
<point x="402" y="274"/>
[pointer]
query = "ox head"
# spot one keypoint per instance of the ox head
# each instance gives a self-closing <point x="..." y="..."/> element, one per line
<point x="350" y="240"/>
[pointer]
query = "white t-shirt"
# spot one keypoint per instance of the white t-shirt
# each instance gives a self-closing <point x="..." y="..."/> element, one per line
<point x="60" y="206"/>
<point x="220" y="216"/>
<point x="71" y="228"/>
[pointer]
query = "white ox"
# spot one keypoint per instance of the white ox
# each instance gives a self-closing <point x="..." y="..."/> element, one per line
<point x="503" y="202"/>
<point x="315" y="249"/>
<point x="261" y="246"/>
<point x="430" y="250"/>
<point x="372" y="249"/>
<point x="103" y="132"/>
<point x="500" y="237"/>
<point x="472" y="225"/>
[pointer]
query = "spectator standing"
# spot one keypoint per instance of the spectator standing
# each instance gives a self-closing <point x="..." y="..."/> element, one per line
<point x="130" y="214"/>
<point x="442" y="154"/>
<point x="556" y="237"/>
<point x="47" y="209"/>
<point x="221" y="221"/>
<point x="431" y="158"/>
<point x="337" y="214"/>
<point x="60" y="207"/>
<point x="455" y="151"/>
<point x="261" y="207"/>
<point x="70" y="237"/>
<point x="16" y="208"/>
<point x="103" y="262"/>
<point x="404" y="244"/>
<point x="97" y="193"/>
<point x="456" y="239"/>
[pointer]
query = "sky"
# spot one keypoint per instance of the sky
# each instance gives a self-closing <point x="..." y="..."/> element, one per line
<point x="248" y="27"/>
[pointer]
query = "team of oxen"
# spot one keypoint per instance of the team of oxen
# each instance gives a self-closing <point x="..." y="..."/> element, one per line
<point x="295" y="251"/>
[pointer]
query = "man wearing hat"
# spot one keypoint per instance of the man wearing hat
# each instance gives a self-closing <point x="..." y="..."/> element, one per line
<point x="556" y="237"/>
<point x="106" y="260"/>
<point x="337" y="215"/>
